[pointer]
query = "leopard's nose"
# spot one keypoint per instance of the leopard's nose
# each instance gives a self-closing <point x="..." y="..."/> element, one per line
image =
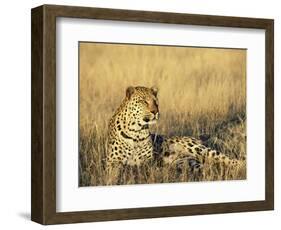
<point x="154" y="110"/>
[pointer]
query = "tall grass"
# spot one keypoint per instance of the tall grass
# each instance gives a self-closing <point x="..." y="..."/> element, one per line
<point x="202" y="93"/>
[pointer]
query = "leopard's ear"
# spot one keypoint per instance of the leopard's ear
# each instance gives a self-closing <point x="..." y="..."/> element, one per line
<point x="129" y="91"/>
<point x="154" y="90"/>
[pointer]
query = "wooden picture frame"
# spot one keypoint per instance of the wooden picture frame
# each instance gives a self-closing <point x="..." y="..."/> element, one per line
<point x="43" y="207"/>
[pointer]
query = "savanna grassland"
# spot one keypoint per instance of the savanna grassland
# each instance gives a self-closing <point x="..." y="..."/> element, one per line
<point x="202" y="93"/>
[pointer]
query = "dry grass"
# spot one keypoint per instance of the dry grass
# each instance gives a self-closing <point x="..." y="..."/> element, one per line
<point x="202" y="91"/>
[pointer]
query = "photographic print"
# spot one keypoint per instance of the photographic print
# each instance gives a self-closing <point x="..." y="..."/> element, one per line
<point x="143" y="104"/>
<point x="161" y="114"/>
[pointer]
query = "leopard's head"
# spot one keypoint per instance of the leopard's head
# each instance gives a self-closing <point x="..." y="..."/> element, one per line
<point x="143" y="104"/>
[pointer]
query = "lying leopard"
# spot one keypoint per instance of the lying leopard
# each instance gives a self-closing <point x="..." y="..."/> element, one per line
<point x="131" y="143"/>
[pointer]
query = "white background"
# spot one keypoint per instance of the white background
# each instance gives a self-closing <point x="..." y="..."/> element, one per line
<point x="72" y="198"/>
<point x="15" y="114"/>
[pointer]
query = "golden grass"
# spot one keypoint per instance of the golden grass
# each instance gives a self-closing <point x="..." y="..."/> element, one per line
<point x="202" y="91"/>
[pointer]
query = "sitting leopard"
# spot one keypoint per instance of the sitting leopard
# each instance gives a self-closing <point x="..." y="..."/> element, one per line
<point x="131" y="143"/>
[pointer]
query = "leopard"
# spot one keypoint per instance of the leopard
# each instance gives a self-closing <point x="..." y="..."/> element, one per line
<point x="130" y="141"/>
<point x="129" y="137"/>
